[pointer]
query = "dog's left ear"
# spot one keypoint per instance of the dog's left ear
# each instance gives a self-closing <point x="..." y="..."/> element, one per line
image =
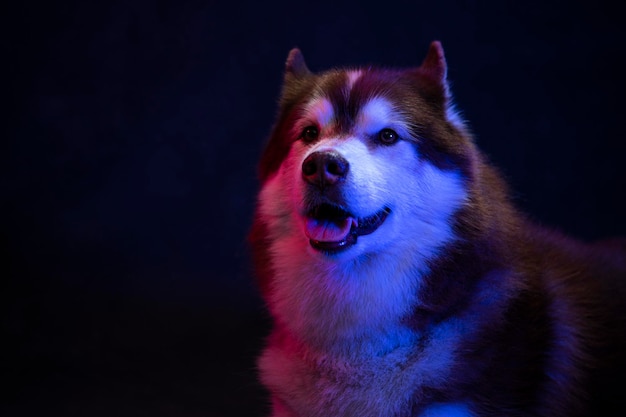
<point x="434" y="65"/>
<point x="432" y="73"/>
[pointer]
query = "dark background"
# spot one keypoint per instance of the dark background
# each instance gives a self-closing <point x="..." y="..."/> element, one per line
<point x="132" y="131"/>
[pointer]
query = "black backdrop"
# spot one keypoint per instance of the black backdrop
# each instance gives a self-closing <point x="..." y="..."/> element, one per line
<point x="128" y="171"/>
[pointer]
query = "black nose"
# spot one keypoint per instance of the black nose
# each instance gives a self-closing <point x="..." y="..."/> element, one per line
<point x="324" y="168"/>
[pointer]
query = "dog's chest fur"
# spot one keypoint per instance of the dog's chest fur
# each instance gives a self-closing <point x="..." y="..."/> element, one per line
<point x="364" y="385"/>
<point x="353" y="361"/>
<point x="449" y="303"/>
<point x="368" y="386"/>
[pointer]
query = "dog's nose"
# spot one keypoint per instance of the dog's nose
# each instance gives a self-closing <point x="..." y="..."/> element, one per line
<point x="324" y="168"/>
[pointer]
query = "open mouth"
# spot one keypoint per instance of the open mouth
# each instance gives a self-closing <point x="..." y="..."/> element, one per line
<point x="331" y="229"/>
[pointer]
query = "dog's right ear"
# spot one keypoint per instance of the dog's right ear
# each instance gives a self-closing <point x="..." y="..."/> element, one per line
<point x="295" y="67"/>
<point x="296" y="75"/>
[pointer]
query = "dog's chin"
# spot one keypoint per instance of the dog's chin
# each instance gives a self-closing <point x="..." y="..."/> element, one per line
<point x="332" y="230"/>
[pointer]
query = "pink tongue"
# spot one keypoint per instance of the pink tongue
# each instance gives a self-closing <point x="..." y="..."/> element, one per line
<point x="328" y="231"/>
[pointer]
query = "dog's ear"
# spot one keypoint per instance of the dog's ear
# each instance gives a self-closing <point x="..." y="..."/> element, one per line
<point x="432" y="80"/>
<point x="295" y="67"/>
<point x="296" y="75"/>
<point x="434" y="65"/>
<point x="432" y="73"/>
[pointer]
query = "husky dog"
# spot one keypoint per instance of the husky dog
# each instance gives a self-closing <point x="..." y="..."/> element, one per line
<point x="400" y="278"/>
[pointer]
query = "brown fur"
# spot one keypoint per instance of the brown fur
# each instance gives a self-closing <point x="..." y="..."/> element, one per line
<point x="552" y="342"/>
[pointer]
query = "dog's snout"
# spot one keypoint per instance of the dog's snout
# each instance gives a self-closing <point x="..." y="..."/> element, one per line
<point x="324" y="168"/>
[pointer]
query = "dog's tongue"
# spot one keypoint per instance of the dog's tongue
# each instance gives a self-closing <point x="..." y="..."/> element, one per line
<point x="324" y="230"/>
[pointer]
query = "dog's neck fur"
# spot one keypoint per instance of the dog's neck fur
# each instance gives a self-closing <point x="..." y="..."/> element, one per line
<point x="345" y="308"/>
<point x="333" y="313"/>
<point x="455" y="306"/>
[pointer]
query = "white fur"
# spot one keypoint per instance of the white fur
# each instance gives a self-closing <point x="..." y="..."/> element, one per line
<point x="320" y="296"/>
<point x="377" y="114"/>
<point x="353" y="76"/>
<point x="454" y="116"/>
<point x="303" y="378"/>
<point x="349" y="306"/>
<point x="317" y="112"/>
<point x="320" y="110"/>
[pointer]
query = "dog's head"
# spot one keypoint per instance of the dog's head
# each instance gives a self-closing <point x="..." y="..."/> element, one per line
<point x="364" y="161"/>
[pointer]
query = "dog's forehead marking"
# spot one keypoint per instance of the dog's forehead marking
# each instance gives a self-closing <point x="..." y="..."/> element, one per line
<point x="375" y="115"/>
<point x="320" y="110"/>
<point x="379" y="113"/>
<point x="353" y="76"/>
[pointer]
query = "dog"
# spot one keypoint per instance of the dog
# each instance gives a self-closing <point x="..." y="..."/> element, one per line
<point x="400" y="277"/>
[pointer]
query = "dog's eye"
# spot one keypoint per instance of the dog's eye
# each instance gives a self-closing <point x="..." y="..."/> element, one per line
<point x="388" y="137"/>
<point x="310" y="133"/>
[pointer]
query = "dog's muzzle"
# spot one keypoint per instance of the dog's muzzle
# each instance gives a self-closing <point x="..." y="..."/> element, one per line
<point x="330" y="227"/>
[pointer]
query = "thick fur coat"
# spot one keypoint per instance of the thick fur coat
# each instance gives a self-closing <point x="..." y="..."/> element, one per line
<point x="401" y="279"/>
